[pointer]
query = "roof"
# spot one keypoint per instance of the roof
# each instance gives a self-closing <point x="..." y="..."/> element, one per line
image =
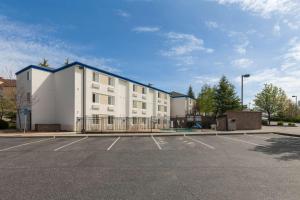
<point x="7" y="82"/>
<point x="179" y="95"/>
<point x="86" y="66"/>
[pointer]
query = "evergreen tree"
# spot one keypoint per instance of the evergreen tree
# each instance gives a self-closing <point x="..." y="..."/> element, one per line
<point x="67" y="61"/>
<point x="225" y="97"/>
<point x="191" y="93"/>
<point x="44" y="63"/>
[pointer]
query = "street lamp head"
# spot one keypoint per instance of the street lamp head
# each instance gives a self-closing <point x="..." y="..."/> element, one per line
<point x="246" y="75"/>
<point x="294" y="96"/>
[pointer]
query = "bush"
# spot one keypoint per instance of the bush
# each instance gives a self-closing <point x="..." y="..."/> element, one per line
<point x="291" y="124"/>
<point x="279" y="123"/>
<point x="3" y="124"/>
<point x="265" y="122"/>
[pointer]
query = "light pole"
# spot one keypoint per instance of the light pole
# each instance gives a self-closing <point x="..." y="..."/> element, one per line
<point x="296" y="100"/>
<point x="242" y="88"/>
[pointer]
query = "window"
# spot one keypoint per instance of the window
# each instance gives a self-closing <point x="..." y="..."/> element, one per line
<point x="111" y="100"/>
<point x="134" y="104"/>
<point x="96" y="119"/>
<point x="134" y="88"/>
<point x="28" y="76"/>
<point x="158" y="95"/>
<point x="95" y="77"/>
<point x="144" y="105"/>
<point x="158" y="107"/>
<point x="165" y="108"/>
<point x="110" y="119"/>
<point x="96" y="98"/>
<point x="144" y="90"/>
<point x="28" y="96"/>
<point x="111" y="81"/>
<point x="166" y="96"/>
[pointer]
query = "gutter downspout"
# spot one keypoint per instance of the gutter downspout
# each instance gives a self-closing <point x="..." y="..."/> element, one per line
<point x="83" y="101"/>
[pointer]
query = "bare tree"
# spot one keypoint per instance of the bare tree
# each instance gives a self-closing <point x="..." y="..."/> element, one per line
<point x="23" y="100"/>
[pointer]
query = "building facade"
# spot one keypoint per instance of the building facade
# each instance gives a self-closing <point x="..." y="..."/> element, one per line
<point x="182" y="105"/>
<point x="78" y="96"/>
<point x="7" y="88"/>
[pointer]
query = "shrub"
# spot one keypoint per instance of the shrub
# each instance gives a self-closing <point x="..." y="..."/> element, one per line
<point x="3" y="124"/>
<point x="292" y="124"/>
<point x="279" y="123"/>
<point x="265" y="122"/>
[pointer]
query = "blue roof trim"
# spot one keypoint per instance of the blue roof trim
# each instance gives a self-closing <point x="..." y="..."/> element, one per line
<point x="89" y="67"/>
<point x="34" y="67"/>
<point x="185" y="96"/>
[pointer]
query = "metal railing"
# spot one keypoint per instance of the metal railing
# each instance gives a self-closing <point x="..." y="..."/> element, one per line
<point x="121" y="124"/>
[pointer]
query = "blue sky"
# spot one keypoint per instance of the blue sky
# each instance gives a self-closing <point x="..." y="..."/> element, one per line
<point x="169" y="43"/>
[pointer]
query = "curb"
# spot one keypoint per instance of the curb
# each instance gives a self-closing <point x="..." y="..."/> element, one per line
<point x="287" y="134"/>
<point x="133" y="135"/>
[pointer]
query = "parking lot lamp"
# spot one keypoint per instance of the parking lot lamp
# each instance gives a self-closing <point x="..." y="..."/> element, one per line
<point x="242" y="88"/>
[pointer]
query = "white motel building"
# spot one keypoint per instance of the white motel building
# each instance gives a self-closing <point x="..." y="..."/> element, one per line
<point x="79" y="96"/>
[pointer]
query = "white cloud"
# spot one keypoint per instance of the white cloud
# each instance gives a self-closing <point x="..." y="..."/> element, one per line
<point x="140" y="29"/>
<point x="266" y="8"/>
<point x="211" y="24"/>
<point x="289" y="81"/>
<point x="206" y="79"/>
<point x="276" y="29"/>
<point x="241" y="40"/>
<point x="24" y="44"/>
<point x="242" y="62"/>
<point x="291" y="59"/>
<point x="182" y="44"/>
<point x="123" y="13"/>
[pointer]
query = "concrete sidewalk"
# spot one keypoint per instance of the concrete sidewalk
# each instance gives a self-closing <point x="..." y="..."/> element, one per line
<point x="264" y="130"/>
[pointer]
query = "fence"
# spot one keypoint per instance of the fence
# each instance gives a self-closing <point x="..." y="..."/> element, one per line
<point x="122" y="124"/>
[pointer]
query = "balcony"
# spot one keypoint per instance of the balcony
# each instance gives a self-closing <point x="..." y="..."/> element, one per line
<point x="95" y="85"/>
<point x="110" y="108"/>
<point x="95" y="107"/>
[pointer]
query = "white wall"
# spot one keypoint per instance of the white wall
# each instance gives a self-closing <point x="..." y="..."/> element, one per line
<point x="65" y="98"/>
<point x="43" y="94"/>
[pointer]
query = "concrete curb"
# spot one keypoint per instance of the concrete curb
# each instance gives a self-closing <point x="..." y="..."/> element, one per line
<point x="287" y="134"/>
<point x="135" y="134"/>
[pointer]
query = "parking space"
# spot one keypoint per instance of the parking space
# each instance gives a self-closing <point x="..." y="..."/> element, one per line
<point x="152" y="167"/>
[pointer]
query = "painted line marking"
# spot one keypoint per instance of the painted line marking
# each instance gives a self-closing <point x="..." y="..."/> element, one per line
<point x="159" y="147"/>
<point x="200" y="142"/>
<point x="66" y="145"/>
<point x="26" y="144"/>
<point x="238" y="140"/>
<point x="257" y="136"/>
<point x="114" y="142"/>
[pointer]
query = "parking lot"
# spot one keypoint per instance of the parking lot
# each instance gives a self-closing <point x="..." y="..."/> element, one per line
<point x="264" y="166"/>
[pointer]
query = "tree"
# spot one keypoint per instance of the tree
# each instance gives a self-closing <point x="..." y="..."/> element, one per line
<point x="225" y="97"/>
<point x="206" y="99"/>
<point x="191" y="93"/>
<point x="44" y="63"/>
<point x="67" y="61"/>
<point x="271" y="100"/>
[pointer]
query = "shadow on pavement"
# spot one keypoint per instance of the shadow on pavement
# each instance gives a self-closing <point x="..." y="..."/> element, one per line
<point x="287" y="148"/>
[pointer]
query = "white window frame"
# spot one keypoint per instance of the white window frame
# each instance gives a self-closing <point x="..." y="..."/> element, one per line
<point x="111" y="100"/>
<point x="95" y="97"/>
<point x="96" y="77"/>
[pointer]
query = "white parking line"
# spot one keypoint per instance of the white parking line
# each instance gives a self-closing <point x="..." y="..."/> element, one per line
<point x="159" y="147"/>
<point x="26" y="144"/>
<point x="115" y="141"/>
<point x="198" y="141"/>
<point x="70" y="143"/>
<point x="258" y="136"/>
<point x="239" y="140"/>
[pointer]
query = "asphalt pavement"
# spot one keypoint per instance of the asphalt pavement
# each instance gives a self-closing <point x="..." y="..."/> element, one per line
<point x="248" y="167"/>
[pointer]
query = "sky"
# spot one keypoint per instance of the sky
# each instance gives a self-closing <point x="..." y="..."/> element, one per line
<point x="169" y="43"/>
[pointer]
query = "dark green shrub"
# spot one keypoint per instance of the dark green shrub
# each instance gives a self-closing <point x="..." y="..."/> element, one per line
<point x="3" y="124"/>
<point x="265" y="122"/>
<point x="279" y="123"/>
<point x="291" y="124"/>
